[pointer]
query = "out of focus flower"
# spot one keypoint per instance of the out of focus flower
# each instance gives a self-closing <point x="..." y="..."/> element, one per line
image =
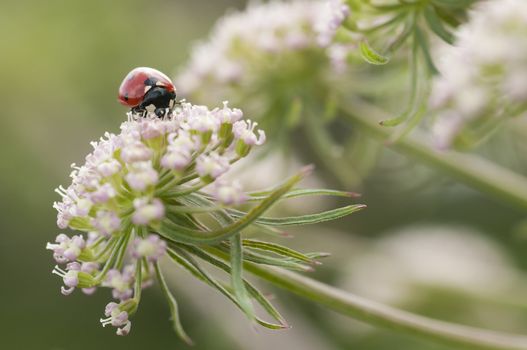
<point x="283" y="62"/>
<point x="484" y="76"/>
<point x="229" y="193"/>
<point x="152" y="248"/>
<point x="141" y="196"/>
<point x="401" y="268"/>
<point x="245" y="44"/>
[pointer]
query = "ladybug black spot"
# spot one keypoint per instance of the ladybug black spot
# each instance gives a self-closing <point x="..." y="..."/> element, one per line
<point x="150" y="82"/>
<point x="126" y="97"/>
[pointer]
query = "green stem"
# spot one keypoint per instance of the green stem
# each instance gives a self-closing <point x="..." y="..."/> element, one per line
<point x="173" y="305"/>
<point x="469" y="169"/>
<point x="384" y="316"/>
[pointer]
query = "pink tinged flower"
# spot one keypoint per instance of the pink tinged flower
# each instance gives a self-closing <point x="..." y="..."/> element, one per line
<point x="90" y="268"/>
<point x="70" y="276"/>
<point x="229" y="193"/>
<point x="64" y="215"/>
<point x="102" y="193"/>
<point x="227" y="115"/>
<point x="175" y="160"/>
<point x="136" y="152"/>
<point x="297" y="40"/>
<point x="92" y="237"/>
<point x="151" y="248"/>
<point x="244" y="131"/>
<point x="338" y="55"/>
<point x="124" y="330"/>
<point x="66" y="249"/>
<point x="202" y="120"/>
<point x="147" y="210"/>
<point x="89" y="291"/>
<point x="130" y="132"/>
<point x="109" y="167"/>
<point x="117" y="318"/>
<point x="152" y="128"/>
<point x="141" y="176"/>
<point x="182" y="141"/>
<point x="179" y="151"/>
<point x="212" y="165"/>
<point x="330" y="20"/>
<point x="66" y="209"/>
<point x="339" y="12"/>
<point x="120" y="282"/>
<point x="106" y="222"/>
<point x="82" y="207"/>
<point x="84" y="177"/>
<point x="147" y="282"/>
<point x="230" y="71"/>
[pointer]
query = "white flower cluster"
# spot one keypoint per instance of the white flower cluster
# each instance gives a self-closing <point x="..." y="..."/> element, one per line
<point x="484" y="76"/>
<point x="124" y="188"/>
<point x="405" y="265"/>
<point x="242" y="41"/>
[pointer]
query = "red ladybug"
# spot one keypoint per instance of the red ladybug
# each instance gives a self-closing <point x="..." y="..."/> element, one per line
<point x="147" y="90"/>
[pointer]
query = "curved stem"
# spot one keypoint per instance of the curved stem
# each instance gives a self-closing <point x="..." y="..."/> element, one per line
<point x="469" y="169"/>
<point x="380" y="315"/>
<point x="388" y="317"/>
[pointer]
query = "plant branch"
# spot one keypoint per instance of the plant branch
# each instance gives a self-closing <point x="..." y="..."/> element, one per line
<point x="472" y="170"/>
<point x="380" y="315"/>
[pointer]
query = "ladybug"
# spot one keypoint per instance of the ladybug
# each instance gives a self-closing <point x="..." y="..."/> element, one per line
<point x="147" y="90"/>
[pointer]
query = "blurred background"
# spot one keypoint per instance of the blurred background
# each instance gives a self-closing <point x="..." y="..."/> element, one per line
<point x="424" y="244"/>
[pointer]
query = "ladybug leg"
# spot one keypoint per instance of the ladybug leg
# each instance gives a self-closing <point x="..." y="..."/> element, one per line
<point x="138" y="110"/>
<point x="161" y="112"/>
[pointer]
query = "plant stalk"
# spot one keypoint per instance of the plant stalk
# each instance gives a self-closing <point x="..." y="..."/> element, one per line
<point x="470" y="169"/>
<point x="376" y="314"/>
<point x="458" y="336"/>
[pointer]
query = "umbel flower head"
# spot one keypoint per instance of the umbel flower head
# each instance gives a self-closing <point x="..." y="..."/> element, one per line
<point x="268" y="43"/>
<point x="242" y="41"/>
<point x="282" y="61"/>
<point x="157" y="190"/>
<point x="483" y="78"/>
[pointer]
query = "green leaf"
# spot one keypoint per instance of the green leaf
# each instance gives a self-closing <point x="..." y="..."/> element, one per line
<point x="236" y="276"/>
<point x="318" y="255"/>
<point x="400" y="39"/>
<point x="172" y="303"/>
<point x="370" y="55"/>
<point x="305" y="219"/>
<point x="272" y="231"/>
<point x="277" y="249"/>
<point x="435" y="24"/>
<point x="256" y="196"/>
<point x="415" y="79"/>
<point x="179" y="233"/>
<point x="186" y="261"/>
<point x="422" y="42"/>
<point x="255" y="257"/>
<point x="255" y="293"/>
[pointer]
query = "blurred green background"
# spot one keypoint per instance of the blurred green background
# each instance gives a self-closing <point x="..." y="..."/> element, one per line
<point x="61" y="65"/>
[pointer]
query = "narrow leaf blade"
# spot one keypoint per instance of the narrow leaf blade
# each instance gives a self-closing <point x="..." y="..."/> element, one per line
<point x="370" y="55"/>
<point x="306" y="219"/>
<point x="173" y="306"/>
